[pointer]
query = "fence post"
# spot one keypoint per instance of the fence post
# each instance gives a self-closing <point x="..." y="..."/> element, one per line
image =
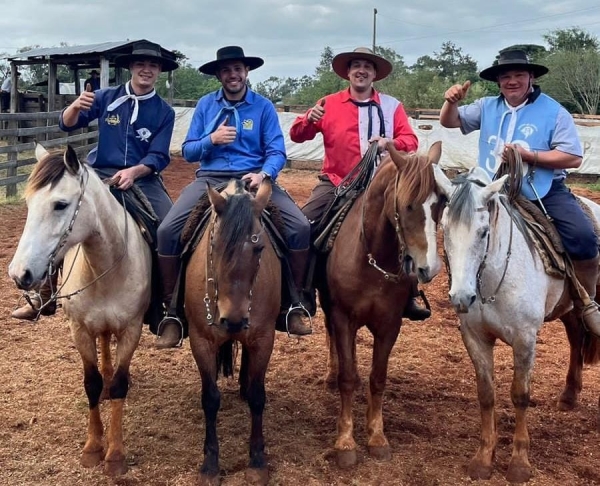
<point x="11" y="171"/>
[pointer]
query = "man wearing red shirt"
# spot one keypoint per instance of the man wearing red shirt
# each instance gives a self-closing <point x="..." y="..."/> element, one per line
<point x="350" y="121"/>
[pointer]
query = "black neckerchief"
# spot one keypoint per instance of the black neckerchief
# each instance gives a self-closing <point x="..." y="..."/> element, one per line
<point x="370" y="104"/>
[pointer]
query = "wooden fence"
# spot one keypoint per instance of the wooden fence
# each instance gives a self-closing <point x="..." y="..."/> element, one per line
<point x="20" y="131"/>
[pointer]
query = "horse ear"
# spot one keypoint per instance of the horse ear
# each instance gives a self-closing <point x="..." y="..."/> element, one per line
<point x="399" y="158"/>
<point x="218" y="202"/>
<point x="40" y="151"/>
<point x="72" y="161"/>
<point x="435" y="152"/>
<point x="262" y="196"/>
<point x="443" y="183"/>
<point x="493" y="188"/>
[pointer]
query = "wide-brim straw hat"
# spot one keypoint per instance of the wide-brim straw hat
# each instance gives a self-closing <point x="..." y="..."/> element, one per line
<point x="144" y="50"/>
<point x="341" y="62"/>
<point x="228" y="54"/>
<point x="512" y="59"/>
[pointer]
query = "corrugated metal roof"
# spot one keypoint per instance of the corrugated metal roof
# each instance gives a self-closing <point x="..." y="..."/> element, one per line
<point x="100" y="48"/>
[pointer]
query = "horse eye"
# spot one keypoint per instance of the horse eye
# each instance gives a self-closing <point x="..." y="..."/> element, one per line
<point x="409" y="207"/>
<point x="60" y="206"/>
<point x="484" y="232"/>
<point x="258" y="248"/>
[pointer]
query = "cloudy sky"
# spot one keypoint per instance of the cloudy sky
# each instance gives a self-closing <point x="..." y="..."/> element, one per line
<point x="290" y="35"/>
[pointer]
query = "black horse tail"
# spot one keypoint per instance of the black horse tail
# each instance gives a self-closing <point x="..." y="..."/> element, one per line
<point x="225" y="359"/>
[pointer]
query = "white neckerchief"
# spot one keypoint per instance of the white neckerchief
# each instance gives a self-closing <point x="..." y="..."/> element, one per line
<point x="512" y="124"/>
<point x="134" y="98"/>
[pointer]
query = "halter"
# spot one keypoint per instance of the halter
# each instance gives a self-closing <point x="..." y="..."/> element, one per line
<point x="391" y="277"/>
<point x="210" y="313"/>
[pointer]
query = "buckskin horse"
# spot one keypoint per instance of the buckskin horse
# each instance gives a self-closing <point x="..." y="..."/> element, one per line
<point x="390" y="229"/>
<point x="106" y="282"/>
<point x="233" y="292"/>
<point x="500" y="290"/>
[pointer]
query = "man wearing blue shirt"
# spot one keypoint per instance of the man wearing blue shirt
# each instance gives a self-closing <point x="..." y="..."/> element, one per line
<point x="234" y="133"/>
<point x="134" y="133"/>
<point x="545" y="136"/>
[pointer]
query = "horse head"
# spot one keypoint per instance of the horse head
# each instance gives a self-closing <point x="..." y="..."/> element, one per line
<point x="237" y="242"/>
<point x="53" y="194"/>
<point x="415" y="209"/>
<point x="467" y="223"/>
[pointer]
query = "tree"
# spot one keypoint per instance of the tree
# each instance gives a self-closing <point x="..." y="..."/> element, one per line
<point x="450" y="63"/>
<point x="574" y="79"/>
<point x="572" y="39"/>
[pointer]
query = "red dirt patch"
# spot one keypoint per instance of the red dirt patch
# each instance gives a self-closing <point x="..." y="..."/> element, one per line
<point x="430" y="410"/>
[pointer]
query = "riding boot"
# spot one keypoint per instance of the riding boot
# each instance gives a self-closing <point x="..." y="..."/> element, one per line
<point x="586" y="272"/>
<point x="170" y="330"/>
<point x="413" y="310"/>
<point x="291" y="320"/>
<point x="31" y="310"/>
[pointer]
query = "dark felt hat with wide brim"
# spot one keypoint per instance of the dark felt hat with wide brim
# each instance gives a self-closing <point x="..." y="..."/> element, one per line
<point x="512" y="59"/>
<point x="144" y="50"/>
<point x="229" y="54"/>
<point x="341" y="62"/>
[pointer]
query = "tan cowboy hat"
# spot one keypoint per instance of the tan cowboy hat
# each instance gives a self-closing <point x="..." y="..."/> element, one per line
<point x="227" y="54"/>
<point x="341" y="62"/>
<point x="512" y="59"/>
<point x="144" y="50"/>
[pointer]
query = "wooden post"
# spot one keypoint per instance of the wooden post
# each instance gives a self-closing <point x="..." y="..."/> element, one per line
<point x="51" y="86"/>
<point x="75" y="72"/>
<point x="118" y="76"/>
<point x="104" y="72"/>
<point x="14" y="90"/>
<point x="11" y="171"/>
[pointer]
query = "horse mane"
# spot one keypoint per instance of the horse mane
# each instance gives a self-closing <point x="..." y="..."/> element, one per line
<point x="237" y="222"/>
<point x="416" y="180"/>
<point x="49" y="170"/>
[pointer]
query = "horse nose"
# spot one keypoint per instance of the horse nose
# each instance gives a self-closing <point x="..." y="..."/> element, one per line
<point x="462" y="302"/>
<point x="233" y="327"/>
<point x="424" y="274"/>
<point x="25" y="281"/>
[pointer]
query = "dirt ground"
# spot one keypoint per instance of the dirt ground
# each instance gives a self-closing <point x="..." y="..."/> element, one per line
<point x="430" y="410"/>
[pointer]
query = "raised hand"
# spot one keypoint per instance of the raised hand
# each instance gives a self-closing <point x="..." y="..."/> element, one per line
<point x="317" y="112"/>
<point x="223" y="134"/>
<point x="457" y="92"/>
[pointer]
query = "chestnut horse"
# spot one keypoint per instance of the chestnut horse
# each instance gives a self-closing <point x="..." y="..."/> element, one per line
<point x="389" y="231"/>
<point x="233" y="292"/>
<point x="501" y="291"/>
<point x="106" y="282"/>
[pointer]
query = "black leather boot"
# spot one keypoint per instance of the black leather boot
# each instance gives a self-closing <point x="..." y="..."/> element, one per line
<point x="31" y="310"/>
<point x="170" y="330"/>
<point x="413" y="310"/>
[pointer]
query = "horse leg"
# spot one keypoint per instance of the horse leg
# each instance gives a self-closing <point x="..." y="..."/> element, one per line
<point x="575" y="334"/>
<point x="519" y="468"/>
<point x="93" y="452"/>
<point x="205" y="355"/>
<point x="106" y="365"/>
<point x="332" y="364"/>
<point x="258" y="360"/>
<point x="481" y="353"/>
<point x="115" y="461"/>
<point x="243" y="377"/>
<point x="378" y="445"/>
<point x="345" y="341"/>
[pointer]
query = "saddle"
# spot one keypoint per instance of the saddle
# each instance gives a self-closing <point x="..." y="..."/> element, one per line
<point x="140" y="209"/>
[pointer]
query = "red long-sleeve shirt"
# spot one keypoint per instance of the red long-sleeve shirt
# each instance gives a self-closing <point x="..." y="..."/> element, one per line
<point x="344" y="127"/>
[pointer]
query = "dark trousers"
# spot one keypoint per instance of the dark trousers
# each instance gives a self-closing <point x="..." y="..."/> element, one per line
<point x="319" y="200"/>
<point x="573" y="225"/>
<point x="297" y="228"/>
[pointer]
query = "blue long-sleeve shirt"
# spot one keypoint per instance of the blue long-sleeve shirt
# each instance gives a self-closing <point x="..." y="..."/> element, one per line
<point x="259" y="144"/>
<point x="121" y="144"/>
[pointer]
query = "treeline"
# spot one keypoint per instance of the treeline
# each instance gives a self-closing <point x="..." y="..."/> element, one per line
<point x="572" y="55"/>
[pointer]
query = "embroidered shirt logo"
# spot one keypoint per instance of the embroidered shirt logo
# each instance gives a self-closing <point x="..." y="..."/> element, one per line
<point x="144" y="134"/>
<point x="248" y="124"/>
<point x="113" y="120"/>
<point x="527" y="129"/>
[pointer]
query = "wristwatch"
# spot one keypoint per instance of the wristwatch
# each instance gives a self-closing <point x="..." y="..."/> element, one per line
<point x="265" y="175"/>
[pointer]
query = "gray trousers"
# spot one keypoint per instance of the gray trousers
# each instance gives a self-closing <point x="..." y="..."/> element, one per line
<point x="297" y="228"/>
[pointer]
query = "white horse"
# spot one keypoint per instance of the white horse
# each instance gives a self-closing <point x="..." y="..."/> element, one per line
<point x="500" y="290"/>
<point x="107" y="267"/>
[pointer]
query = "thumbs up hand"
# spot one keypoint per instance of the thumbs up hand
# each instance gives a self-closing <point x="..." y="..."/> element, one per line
<point x="317" y="112"/>
<point x="86" y="99"/>
<point x="457" y="92"/>
<point x="223" y="134"/>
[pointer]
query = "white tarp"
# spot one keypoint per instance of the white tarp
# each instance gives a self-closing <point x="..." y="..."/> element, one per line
<point x="458" y="151"/>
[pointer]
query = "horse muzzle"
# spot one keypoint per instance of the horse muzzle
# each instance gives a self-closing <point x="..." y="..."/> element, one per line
<point x="462" y="302"/>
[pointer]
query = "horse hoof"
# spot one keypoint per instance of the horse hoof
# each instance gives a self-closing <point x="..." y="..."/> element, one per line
<point x="518" y="473"/>
<point x="115" y="468"/>
<point x="257" y="476"/>
<point x="206" y="480"/>
<point x="346" y="458"/>
<point x="479" y="471"/>
<point x="567" y="402"/>
<point x="92" y="459"/>
<point x="380" y="453"/>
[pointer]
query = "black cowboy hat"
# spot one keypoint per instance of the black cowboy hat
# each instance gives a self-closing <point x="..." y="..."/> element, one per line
<point x="230" y="53"/>
<point x="512" y="59"/>
<point x="143" y="50"/>
<point x="341" y="62"/>
<point x="93" y="71"/>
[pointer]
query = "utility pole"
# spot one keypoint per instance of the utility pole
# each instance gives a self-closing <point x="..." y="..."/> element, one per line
<point x="374" y="27"/>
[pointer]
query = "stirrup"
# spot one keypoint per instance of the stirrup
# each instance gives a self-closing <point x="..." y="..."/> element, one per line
<point x="298" y="306"/>
<point x="164" y="321"/>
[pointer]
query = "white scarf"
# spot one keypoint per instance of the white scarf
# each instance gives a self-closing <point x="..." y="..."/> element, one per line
<point x="134" y="98"/>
